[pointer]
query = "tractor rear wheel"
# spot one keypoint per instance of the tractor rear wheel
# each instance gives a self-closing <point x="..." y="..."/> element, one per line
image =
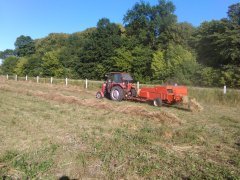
<point x="116" y="93"/>
<point x="157" y="102"/>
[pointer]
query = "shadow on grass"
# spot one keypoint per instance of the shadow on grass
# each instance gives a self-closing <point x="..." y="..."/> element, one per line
<point x="65" y="178"/>
<point x="178" y="107"/>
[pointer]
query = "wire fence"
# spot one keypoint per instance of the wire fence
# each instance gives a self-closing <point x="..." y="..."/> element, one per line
<point x="85" y="83"/>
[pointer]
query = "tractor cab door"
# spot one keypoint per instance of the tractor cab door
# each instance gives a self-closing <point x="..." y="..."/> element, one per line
<point x="109" y="83"/>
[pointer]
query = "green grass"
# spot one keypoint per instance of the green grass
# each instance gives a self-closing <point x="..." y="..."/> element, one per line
<point x="28" y="164"/>
<point x="47" y="138"/>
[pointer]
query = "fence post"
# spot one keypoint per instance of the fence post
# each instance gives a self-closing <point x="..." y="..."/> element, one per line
<point x="37" y="79"/>
<point x="26" y="77"/>
<point x="137" y="85"/>
<point x="7" y="76"/>
<point x="51" y="80"/>
<point x="16" y="77"/>
<point x="224" y="89"/>
<point x="86" y="84"/>
<point x="66" y="81"/>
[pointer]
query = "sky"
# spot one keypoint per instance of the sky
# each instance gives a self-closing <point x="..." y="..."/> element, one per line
<point x="38" y="18"/>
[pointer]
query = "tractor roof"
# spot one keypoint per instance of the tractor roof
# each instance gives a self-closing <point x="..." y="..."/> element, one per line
<point x="118" y="73"/>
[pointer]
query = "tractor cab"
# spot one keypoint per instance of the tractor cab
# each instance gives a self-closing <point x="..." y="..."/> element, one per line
<point x="118" y="77"/>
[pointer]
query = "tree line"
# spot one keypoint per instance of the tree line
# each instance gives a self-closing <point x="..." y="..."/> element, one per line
<point x="150" y="44"/>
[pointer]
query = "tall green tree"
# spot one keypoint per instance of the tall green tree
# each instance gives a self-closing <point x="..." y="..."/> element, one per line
<point x="33" y="66"/>
<point x="146" y="23"/>
<point x="181" y="64"/>
<point x="24" y="46"/>
<point x="6" y="53"/>
<point x="123" y="60"/>
<point x="51" y="65"/>
<point x="9" y="64"/>
<point x="98" y="49"/>
<point x="234" y="13"/>
<point x="141" y="63"/>
<point x="137" y="21"/>
<point x="218" y="43"/>
<point x="179" y="34"/>
<point x="53" y="42"/>
<point x="206" y="76"/>
<point x="20" y="68"/>
<point x="159" y="68"/>
<point x="230" y="76"/>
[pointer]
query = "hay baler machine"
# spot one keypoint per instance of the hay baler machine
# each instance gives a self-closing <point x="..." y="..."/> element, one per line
<point x="119" y="86"/>
<point x="159" y="95"/>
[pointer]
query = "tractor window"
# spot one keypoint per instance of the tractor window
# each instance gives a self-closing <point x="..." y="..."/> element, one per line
<point x="127" y="77"/>
<point x="117" y="78"/>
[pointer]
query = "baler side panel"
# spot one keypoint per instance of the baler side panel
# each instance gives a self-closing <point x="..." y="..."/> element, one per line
<point x="168" y="94"/>
<point x="156" y="92"/>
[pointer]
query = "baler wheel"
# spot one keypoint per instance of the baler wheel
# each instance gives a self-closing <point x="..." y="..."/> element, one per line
<point x="157" y="102"/>
<point x="116" y="93"/>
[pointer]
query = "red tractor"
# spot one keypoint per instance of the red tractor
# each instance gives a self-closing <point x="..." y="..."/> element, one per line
<point x="117" y="87"/>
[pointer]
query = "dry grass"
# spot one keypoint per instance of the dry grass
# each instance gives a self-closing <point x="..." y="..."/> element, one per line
<point x="136" y="110"/>
<point x="48" y="131"/>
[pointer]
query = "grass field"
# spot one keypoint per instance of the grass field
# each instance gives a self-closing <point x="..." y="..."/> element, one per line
<point x="51" y="131"/>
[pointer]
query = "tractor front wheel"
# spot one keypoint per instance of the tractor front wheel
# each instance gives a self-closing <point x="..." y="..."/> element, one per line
<point x="157" y="102"/>
<point x="99" y="95"/>
<point x="116" y="93"/>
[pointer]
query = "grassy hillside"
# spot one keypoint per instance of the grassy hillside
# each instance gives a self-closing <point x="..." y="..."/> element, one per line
<point x="50" y="131"/>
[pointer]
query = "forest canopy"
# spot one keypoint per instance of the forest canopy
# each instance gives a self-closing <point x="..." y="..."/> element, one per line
<point x="150" y="44"/>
